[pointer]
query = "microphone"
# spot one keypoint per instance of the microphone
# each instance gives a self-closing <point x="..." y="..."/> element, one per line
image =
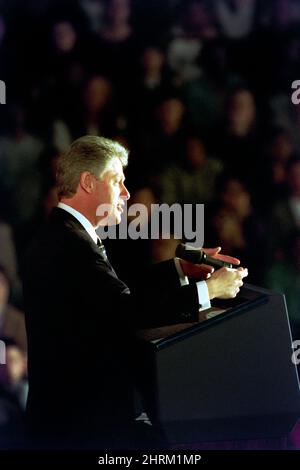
<point x="188" y="253"/>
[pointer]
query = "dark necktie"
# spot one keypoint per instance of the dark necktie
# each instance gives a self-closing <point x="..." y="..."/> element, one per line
<point x="102" y="249"/>
<point x="104" y="255"/>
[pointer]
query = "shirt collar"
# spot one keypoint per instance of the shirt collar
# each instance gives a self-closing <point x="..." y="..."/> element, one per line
<point x="82" y="219"/>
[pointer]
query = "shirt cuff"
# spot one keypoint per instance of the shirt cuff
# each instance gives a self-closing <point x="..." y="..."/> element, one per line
<point x="203" y="295"/>
<point x="184" y="281"/>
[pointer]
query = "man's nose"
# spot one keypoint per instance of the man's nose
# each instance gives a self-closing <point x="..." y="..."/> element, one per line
<point x="125" y="193"/>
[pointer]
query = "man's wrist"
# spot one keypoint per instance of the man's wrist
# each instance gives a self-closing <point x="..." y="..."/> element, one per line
<point x="211" y="288"/>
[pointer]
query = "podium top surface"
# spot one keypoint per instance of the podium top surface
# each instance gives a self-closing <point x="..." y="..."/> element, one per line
<point x="222" y="310"/>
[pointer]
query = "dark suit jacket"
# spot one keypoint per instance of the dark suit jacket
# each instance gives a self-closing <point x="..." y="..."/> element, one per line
<point x="80" y="320"/>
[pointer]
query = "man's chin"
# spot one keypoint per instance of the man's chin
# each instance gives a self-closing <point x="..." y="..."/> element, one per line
<point x="113" y="219"/>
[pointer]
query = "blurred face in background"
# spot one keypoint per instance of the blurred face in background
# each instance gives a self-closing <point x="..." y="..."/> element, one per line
<point x="152" y="60"/>
<point x="97" y="94"/>
<point x="4" y="290"/>
<point x="64" y="37"/>
<point x="236" y="198"/>
<point x="241" y="112"/>
<point x="16" y="364"/>
<point x="281" y="148"/>
<point x="170" y="115"/>
<point x="195" y="152"/>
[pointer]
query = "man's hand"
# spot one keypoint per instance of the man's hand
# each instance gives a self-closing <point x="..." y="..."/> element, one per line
<point x="203" y="271"/>
<point x="215" y="253"/>
<point x="226" y="283"/>
<point x="196" y="271"/>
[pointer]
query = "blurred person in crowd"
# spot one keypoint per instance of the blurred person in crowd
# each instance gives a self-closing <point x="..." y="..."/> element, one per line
<point x="13" y="396"/>
<point x="288" y="57"/>
<point x="240" y="142"/>
<point x="116" y="45"/>
<point x="93" y="10"/>
<point x="206" y="95"/>
<point x="48" y="200"/>
<point x="153" y="61"/>
<point x="12" y="322"/>
<point x="286" y="115"/>
<point x="235" y="17"/>
<point x="183" y="51"/>
<point x="286" y="212"/>
<point x="64" y="74"/>
<point x="241" y="113"/>
<point x="20" y="180"/>
<point x="284" y="276"/>
<point x="170" y="115"/>
<point x="286" y="14"/>
<point x="234" y="224"/>
<point x="151" y="84"/>
<point x="96" y="114"/>
<point x="116" y="27"/>
<point x="234" y="208"/>
<point x="8" y="257"/>
<point x="190" y="181"/>
<point x="65" y="61"/>
<point x="279" y="152"/>
<point x="97" y="107"/>
<point x="13" y="376"/>
<point x="64" y="37"/>
<point x="81" y="318"/>
<point x="162" y="143"/>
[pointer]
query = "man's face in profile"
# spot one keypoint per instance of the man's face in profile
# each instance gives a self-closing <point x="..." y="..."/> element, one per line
<point x="111" y="194"/>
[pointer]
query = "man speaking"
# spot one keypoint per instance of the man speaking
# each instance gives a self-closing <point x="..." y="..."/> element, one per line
<point x="81" y="318"/>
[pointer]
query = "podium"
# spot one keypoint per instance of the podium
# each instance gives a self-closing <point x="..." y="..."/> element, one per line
<point x="228" y="377"/>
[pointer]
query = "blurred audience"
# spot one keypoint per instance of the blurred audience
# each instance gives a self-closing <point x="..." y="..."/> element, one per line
<point x="190" y="181"/>
<point x="9" y="260"/>
<point x="13" y="377"/>
<point x="240" y="140"/>
<point x="279" y="152"/>
<point x="195" y="26"/>
<point x="20" y="180"/>
<point x="12" y="322"/>
<point x="286" y="213"/>
<point x="238" y="228"/>
<point x="284" y="276"/>
<point x="13" y="396"/>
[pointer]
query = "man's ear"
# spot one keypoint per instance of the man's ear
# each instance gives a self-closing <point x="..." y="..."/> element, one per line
<point x="87" y="182"/>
